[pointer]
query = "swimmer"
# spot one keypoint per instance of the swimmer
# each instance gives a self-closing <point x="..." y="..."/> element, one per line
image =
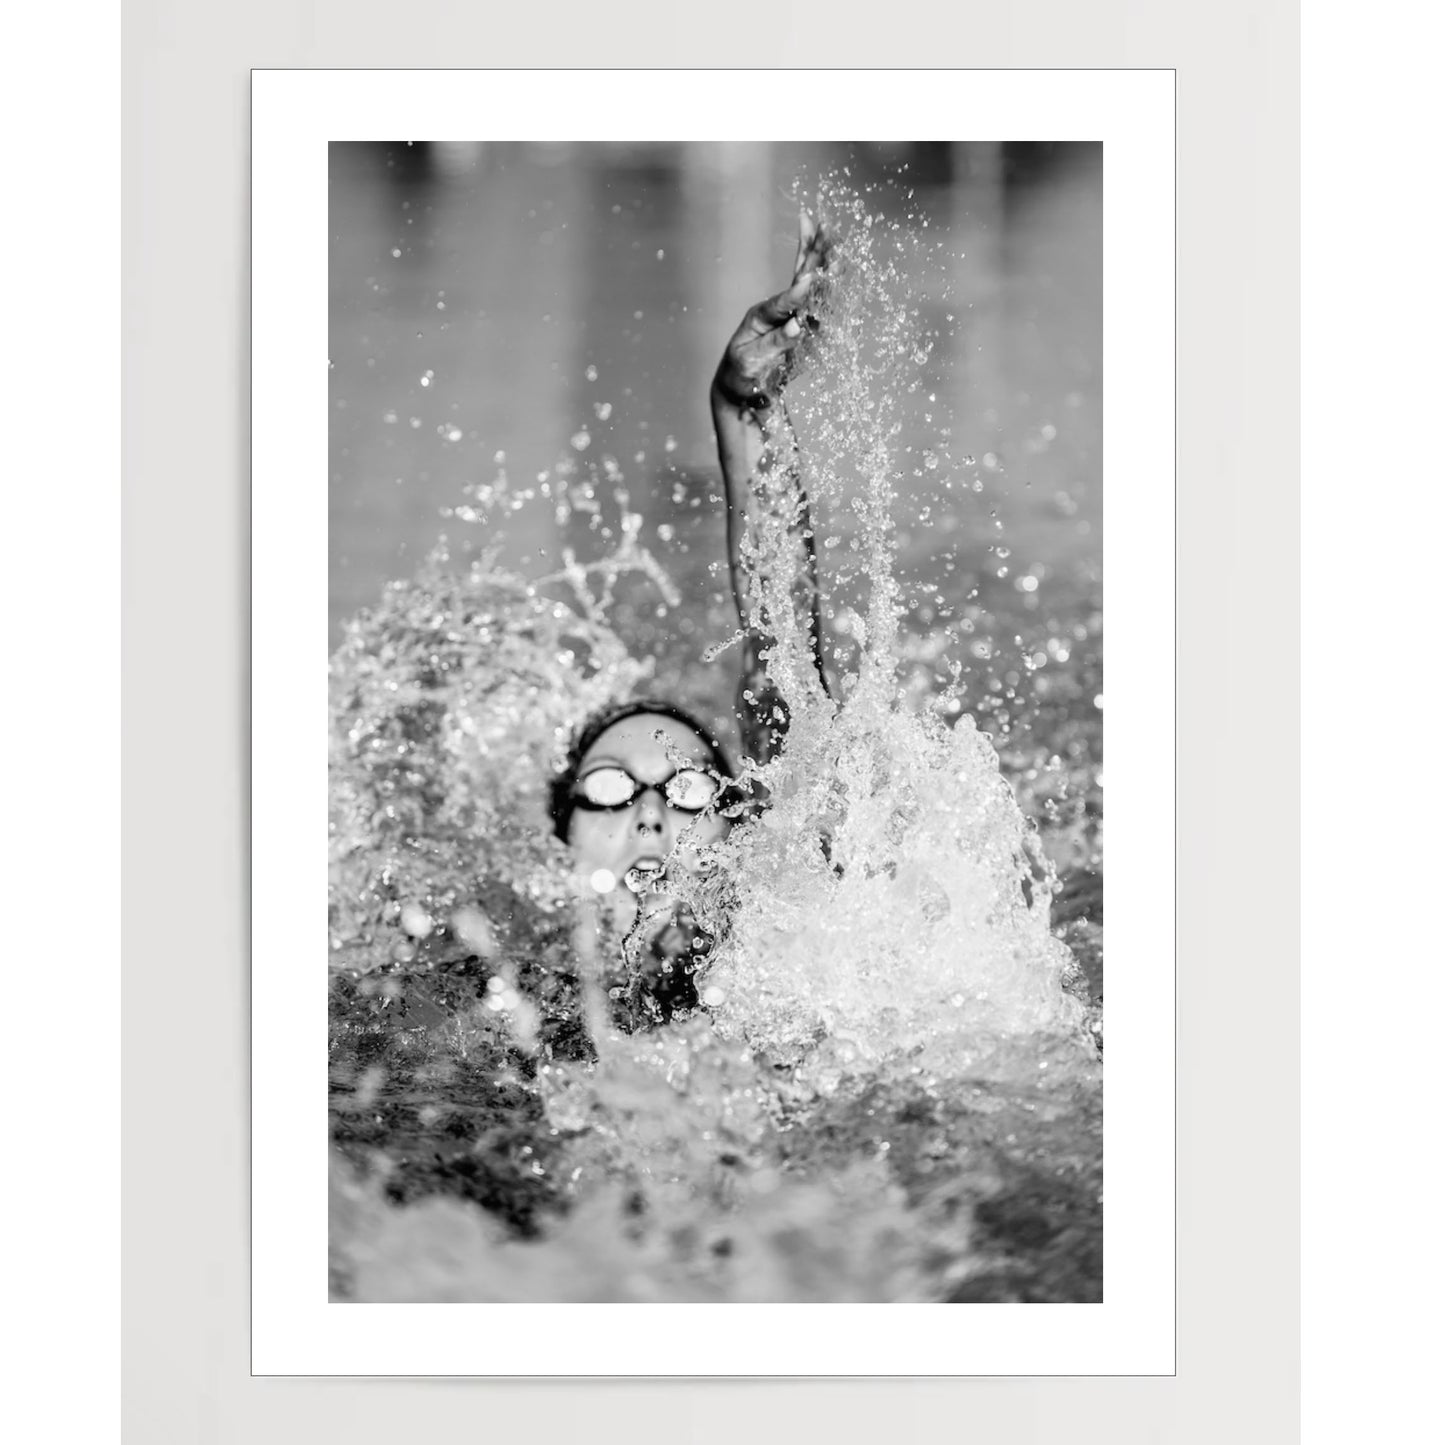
<point x="642" y="781"/>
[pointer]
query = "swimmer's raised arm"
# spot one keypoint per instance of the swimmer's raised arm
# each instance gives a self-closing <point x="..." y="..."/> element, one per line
<point x="759" y="457"/>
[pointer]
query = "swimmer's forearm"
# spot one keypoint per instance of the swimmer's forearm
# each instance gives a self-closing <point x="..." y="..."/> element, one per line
<point x="740" y="447"/>
<point x="754" y="442"/>
<point x="745" y="450"/>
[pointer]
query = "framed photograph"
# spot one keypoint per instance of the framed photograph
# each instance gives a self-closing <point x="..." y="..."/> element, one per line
<point x="722" y="530"/>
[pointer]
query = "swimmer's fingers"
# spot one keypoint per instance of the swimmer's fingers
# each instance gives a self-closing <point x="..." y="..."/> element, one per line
<point x="821" y="256"/>
<point x="815" y="245"/>
<point x="772" y="329"/>
<point x="815" y="256"/>
<point x="807" y="232"/>
<point x="776" y="310"/>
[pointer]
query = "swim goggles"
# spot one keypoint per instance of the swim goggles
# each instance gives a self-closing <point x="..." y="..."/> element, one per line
<point x="609" y="789"/>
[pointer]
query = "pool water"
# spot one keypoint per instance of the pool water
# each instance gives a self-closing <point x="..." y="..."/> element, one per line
<point x="883" y="1079"/>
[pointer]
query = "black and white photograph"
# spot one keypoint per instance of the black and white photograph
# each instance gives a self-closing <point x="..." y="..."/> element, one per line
<point x="716" y="688"/>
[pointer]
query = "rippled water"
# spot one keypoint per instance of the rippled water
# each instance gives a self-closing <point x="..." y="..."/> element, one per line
<point x="892" y="1090"/>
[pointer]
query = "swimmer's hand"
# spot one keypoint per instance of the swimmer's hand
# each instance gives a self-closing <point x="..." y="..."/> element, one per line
<point x="758" y="359"/>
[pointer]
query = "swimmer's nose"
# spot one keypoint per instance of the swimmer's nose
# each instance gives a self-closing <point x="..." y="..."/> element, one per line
<point x="651" y="814"/>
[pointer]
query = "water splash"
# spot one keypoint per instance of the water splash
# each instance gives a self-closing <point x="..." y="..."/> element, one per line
<point x="892" y="901"/>
<point x="452" y="704"/>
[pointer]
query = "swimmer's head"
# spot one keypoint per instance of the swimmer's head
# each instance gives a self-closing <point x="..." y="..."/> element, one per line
<point x="636" y="778"/>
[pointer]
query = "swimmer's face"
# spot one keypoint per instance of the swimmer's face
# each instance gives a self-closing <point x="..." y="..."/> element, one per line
<point x="645" y="830"/>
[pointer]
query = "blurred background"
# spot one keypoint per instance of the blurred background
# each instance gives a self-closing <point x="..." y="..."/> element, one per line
<point x="477" y="288"/>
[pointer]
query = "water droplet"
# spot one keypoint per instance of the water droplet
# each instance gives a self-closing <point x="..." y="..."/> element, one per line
<point x="415" y="920"/>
